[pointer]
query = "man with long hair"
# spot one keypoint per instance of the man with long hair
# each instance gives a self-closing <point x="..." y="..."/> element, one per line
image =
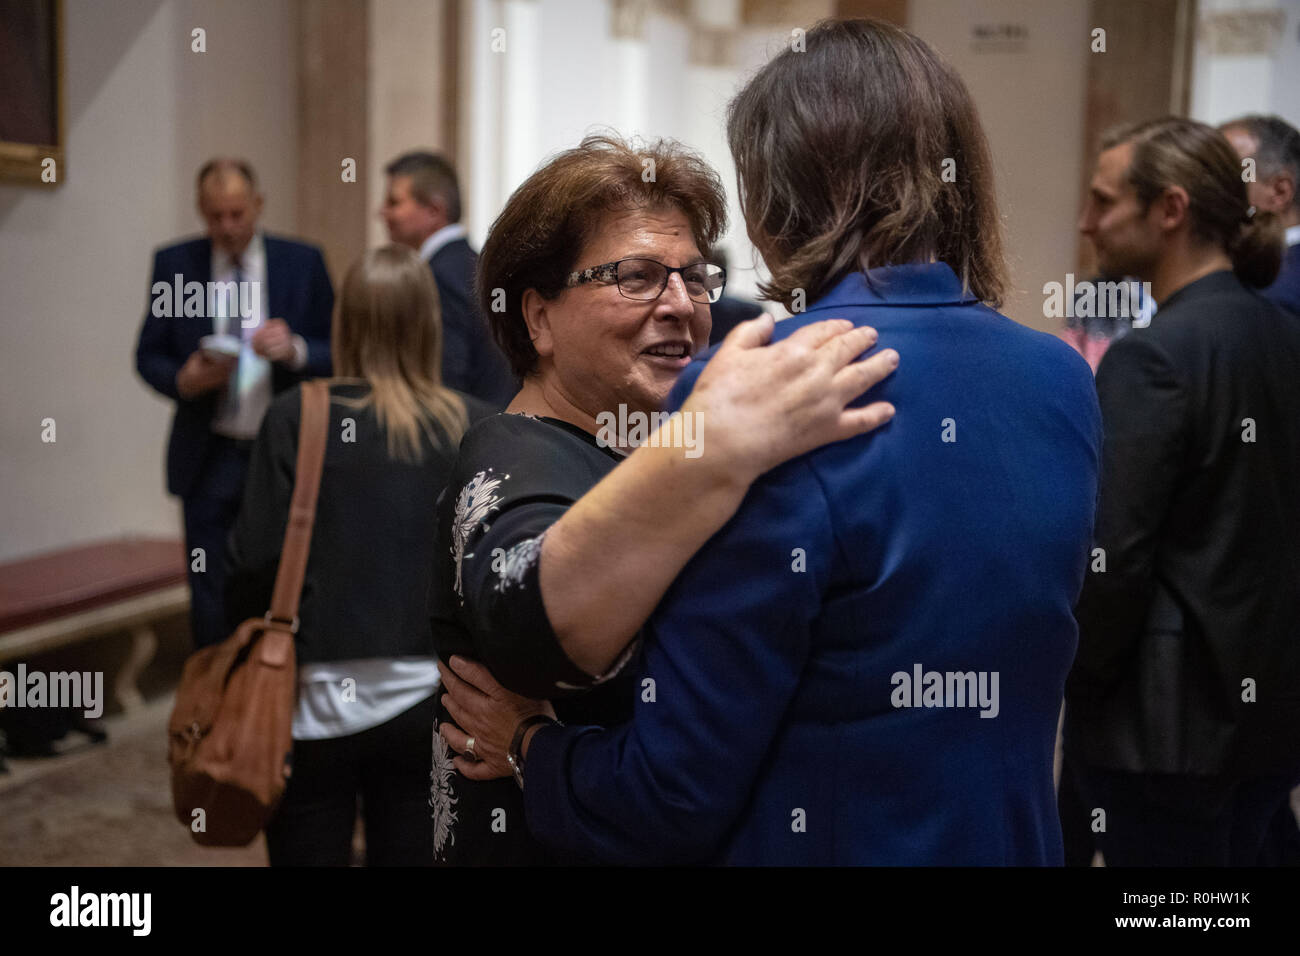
<point x="1183" y="720"/>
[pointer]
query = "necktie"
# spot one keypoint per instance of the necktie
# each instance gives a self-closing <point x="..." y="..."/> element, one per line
<point x="232" y="384"/>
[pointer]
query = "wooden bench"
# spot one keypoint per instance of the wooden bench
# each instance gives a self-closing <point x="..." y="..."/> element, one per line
<point x="75" y="594"/>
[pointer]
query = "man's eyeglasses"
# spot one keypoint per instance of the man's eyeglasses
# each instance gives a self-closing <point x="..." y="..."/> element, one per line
<point x="646" y="279"/>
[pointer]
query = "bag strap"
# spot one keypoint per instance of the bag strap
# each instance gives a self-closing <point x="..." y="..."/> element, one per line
<point x="313" y="429"/>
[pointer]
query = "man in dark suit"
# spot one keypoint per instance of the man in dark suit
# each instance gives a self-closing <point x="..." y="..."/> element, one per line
<point x="422" y="210"/>
<point x="1183" y="706"/>
<point x="1274" y="145"/>
<point x="235" y="317"/>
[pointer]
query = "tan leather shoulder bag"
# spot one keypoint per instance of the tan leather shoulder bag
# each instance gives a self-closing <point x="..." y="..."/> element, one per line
<point x="230" y="733"/>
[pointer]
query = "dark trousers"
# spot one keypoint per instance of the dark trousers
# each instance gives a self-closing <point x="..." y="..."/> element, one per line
<point x="388" y="768"/>
<point x="1182" y="820"/>
<point x="210" y="511"/>
<point x="1076" y="819"/>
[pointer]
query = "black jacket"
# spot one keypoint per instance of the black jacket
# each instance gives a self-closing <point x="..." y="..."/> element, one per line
<point x="728" y="312"/>
<point x="366" y="590"/>
<point x="471" y="361"/>
<point x="1189" y="644"/>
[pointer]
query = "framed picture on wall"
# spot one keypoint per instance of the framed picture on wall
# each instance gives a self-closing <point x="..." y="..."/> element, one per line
<point x="31" y="76"/>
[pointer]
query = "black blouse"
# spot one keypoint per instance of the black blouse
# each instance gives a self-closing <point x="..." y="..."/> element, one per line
<point x="365" y="591"/>
<point x="516" y="475"/>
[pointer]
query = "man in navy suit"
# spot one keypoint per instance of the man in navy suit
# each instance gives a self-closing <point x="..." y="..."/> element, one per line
<point x="422" y="210"/>
<point x="269" y="302"/>
<point x="1274" y="145"/>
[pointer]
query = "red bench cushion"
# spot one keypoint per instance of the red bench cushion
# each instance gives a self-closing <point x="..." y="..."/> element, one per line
<point x="48" y="586"/>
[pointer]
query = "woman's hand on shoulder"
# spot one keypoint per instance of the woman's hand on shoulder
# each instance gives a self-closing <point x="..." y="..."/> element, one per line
<point x="765" y="404"/>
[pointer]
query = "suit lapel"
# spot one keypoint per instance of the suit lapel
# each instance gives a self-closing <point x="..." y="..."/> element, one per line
<point x="274" y="290"/>
<point x="199" y="269"/>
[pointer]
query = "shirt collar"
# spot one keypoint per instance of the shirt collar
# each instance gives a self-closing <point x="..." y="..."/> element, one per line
<point x="920" y="283"/>
<point x="253" y="255"/>
<point x="1292" y="235"/>
<point x="442" y="237"/>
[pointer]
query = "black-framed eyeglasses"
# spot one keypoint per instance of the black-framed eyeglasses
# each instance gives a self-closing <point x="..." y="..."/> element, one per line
<point x="646" y="279"/>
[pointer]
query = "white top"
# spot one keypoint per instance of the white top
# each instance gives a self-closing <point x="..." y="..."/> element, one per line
<point x="440" y="238"/>
<point x="1292" y="235"/>
<point x="346" y="697"/>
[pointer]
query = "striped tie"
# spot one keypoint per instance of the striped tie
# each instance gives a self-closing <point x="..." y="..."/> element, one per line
<point x="232" y="384"/>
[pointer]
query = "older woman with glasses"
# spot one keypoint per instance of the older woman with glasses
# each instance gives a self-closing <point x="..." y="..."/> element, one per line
<point x="557" y="535"/>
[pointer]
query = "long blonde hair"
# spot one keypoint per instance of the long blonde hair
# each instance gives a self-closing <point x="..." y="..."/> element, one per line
<point x="388" y="331"/>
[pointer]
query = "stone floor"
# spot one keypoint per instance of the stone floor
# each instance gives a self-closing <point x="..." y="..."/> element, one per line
<point x="104" y="805"/>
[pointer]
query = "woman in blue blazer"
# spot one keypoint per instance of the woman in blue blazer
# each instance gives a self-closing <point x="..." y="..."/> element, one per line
<point x="866" y="664"/>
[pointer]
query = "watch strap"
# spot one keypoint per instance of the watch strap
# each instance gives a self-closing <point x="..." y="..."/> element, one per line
<point x="514" y="755"/>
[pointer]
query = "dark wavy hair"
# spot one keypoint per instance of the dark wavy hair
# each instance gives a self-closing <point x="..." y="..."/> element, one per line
<point x="535" y="242"/>
<point x="840" y="158"/>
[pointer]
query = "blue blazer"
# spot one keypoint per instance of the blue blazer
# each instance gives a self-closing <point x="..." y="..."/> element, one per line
<point x="778" y="719"/>
<point x="1285" y="290"/>
<point x="299" y="291"/>
<point x="471" y="361"/>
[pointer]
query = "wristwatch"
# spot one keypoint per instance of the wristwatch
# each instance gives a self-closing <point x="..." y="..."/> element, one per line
<point x="513" y="756"/>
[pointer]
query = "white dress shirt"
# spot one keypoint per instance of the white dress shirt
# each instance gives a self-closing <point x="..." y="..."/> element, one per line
<point x="248" y="394"/>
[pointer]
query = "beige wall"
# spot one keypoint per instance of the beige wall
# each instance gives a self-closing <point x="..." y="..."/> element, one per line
<point x="143" y="113"/>
<point x="407" y="92"/>
<point x="1032" y="105"/>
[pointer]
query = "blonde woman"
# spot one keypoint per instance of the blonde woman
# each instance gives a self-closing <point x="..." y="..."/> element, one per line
<point x="367" y="669"/>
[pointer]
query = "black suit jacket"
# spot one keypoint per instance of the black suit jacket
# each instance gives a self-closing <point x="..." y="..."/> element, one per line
<point x="1199" y="520"/>
<point x="471" y="361"/>
<point x="298" y="290"/>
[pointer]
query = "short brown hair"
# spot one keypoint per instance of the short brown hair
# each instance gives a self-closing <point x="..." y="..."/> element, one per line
<point x="535" y="242"/>
<point x="432" y="177"/>
<point x="840" y="158"/>
<point x="1173" y="151"/>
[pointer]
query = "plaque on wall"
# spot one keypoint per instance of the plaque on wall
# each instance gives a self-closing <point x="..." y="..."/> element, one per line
<point x="999" y="37"/>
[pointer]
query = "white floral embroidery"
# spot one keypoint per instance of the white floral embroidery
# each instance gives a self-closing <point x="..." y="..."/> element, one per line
<point x="441" y="800"/>
<point x="475" y="502"/>
<point x="516" y="562"/>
